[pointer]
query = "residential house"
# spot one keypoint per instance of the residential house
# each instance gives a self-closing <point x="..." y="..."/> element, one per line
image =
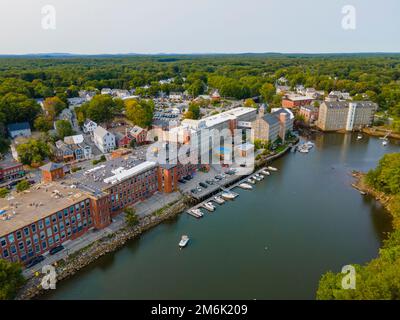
<point x="89" y="126"/>
<point x="19" y="129"/>
<point x="63" y="152"/>
<point x="309" y="113"/>
<point x="11" y="170"/>
<point x="139" y="134"/>
<point x="104" y="140"/>
<point x="80" y="148"/>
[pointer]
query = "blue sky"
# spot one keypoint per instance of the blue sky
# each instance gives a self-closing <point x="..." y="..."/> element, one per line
<point x="199" y="26"/>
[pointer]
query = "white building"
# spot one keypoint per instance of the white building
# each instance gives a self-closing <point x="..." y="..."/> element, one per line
<point x="19" y="129"/>
<point x="89" y="126"/>
<point x="103" y="139"/>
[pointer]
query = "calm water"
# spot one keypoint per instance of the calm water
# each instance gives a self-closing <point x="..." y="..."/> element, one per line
<point x="270" y="243"/>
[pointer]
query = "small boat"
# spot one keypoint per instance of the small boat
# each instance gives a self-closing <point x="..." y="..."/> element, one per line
<point x="384" y="142"/>
<point x="272" y="169"/>
<point x="303" y="150"/>
<point x="256" y="178"/>
<point x="250" y="180"/>
<point x="209" y="206"/>
<point x="184" y="241"/>
<point x="359" y="137"/>
<point x="363" y="193"/>
<point x="245" y="186"/>
<point x="197" y="212"/>
<point x="260" y="176"/>
<point x="219" y="200"/>
<point x="265" y="172"/>
<point x="228" y="195"/>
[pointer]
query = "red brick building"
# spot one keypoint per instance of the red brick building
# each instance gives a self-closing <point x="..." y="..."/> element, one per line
<point x="295" y="101"/>
<point x="52" y="171"/>
<point x="11" y="170"/>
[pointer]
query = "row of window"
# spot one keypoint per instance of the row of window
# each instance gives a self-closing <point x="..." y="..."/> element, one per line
<point x="61" y="216"/>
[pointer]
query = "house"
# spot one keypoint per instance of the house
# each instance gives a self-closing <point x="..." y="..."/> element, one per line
<point x="215" y="96"/>
<point x="176" y="95"/>
<point x="89" y="126"/>
<point x="139" y="134"/>
<point x="62" y="152"/>
<point x="11" y="170"/>
<point x="282" y="89"/>
<point x="80" y="148"/>
<point x="309" y="113"/>
<point x="106" y="91"/>
<point x="104" y="140"/>
<point x="66" y="114"/>
<point x="52" y="171"/>
<point x="296" y="101"/>
<point x="19" y="129"/>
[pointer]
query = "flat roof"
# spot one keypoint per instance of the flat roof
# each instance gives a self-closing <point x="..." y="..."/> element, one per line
<point x="37" y="203"/>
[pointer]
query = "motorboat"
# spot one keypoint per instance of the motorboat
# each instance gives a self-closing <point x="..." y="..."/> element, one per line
<point x="250" y="180"/>
<point x="228" y="195"/>
<point x="219" y="200"/>
<point x="385" y="142"/>
<point x="359" y="136"/>
<point x="184" y="241"/>
<point x="197" y="212"/>
<point x="256" y="178"/>
<point x="209" y="206"/>
<point x="259" y="175"/>
<point x="245" y="186"/>
<point x="272" y="168"/>
<point x="265" y="172"/>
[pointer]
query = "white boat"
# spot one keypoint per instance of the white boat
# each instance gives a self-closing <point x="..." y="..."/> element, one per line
<point x="359" y="137"/>
<point x="197" y="212"/>
<point x="309" y="144"/>
<point x="265" y="172"/>
<point x="245" y="186"/>
<point x="303" y="150"/>
<point x="256" y="178"/>
<point x="384" y="142"/>
<point x="228" y="195"/>
<point x="250" y="180"/>
<point x="184" y="241"/>
<point x="209" y="206"/>
<point x="272" y="169"/>
<point x="260" y="176"/>
<point x="219" y="200"/>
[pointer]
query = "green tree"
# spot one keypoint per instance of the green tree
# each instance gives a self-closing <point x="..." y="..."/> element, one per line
<point x="140" y="112"/>
<point x="23" y="185"/>
<point x="53" y="106"/>
<point x="102" y="108"/>
<point x="18" y="108"/>
<point x="43" y="124"/>
<point x="4" y="192"/>
<point x="250" y="103"/>
<point x="267" y="91"/>
<point x="11" y="279"/>
<point x="131" y="217"/>
<point x="64" y="128"/>
<point x="33" y="151"/>
<point x="193" y="111"/>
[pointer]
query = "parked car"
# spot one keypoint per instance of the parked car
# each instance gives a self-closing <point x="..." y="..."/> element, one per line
<point x="202" y="184"/>
<point x="188" y="177"/>
<point x="182" y="180"/>
<point x="34" y="261"/>
<point x="218" y="177"/>
<point x="210" y="182"/>
<point x="56" y="249"/>
<point x="193" y="191"/>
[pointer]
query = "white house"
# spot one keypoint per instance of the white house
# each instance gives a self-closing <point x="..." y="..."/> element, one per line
<point x="103" y="139"/>
<point x="89" y="126"/>
<point x="19" y="129"/>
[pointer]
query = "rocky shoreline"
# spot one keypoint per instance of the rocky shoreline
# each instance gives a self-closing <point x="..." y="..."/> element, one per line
<point x="97" y="249"/>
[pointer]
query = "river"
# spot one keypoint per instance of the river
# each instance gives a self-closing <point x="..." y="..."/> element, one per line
<point x="273" y="242"/>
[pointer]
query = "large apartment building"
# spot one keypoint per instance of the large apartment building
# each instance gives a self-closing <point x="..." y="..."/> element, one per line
<point x="344" y="115"/>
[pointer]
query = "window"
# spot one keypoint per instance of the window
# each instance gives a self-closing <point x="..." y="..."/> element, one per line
<point x="72" y="219"/>
<point x="63" y="235"/>
<point x="11" y="238"/>
<point x="65" y="212"/>
<point x="71" y="209"/>
<point x="78" y="217"/>
<point x="60" y="215"/>
<point x="33" y="228"/>
<point x="47" y="222"/>
<point x="18" y="234"/>
<point x="82" y="204"/>
<point x="61" y="226"/>
<point x="37" y="248"/>
<point x="35" y="238"/>
<point x="79" y="226"/>
<point x="40" y="223"/>
<point x="5" y="253"/>
<point x="49" y="232"/>
<point x="44" y="245"/>
<point x="3" y="242"/>
<point x="51" y="241"/>
<point x="74" y="230"/>
<point x="21" y="245"/>
<point x="13" y="249"/>
<point x="57" y="238"/>
<point x="69" y="231"/>
<point x="54" y="218"/>
<point x="77" y="207"/>
<point x="28" y="242"/>
<point x="67" y="222"/>
<point x="55" y="228"/>
<point x="26" y="231"/>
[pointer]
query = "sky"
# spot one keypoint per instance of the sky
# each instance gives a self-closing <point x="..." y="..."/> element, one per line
<point x="198" y="26"/>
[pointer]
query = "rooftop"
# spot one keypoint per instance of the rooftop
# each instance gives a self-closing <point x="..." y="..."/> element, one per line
<point x="37" y="203"/>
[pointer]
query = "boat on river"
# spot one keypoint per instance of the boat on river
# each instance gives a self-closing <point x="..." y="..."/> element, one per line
<point x="265" y="172"/>
<point x="250" y="180"/>
<point x="245" y="186"/>
<point x="272" y="168"/>
<point x="184" y="241"/>
<point x="219" y="200"/>
<point x="209" y="206"/>
<point x="228" y="195"/>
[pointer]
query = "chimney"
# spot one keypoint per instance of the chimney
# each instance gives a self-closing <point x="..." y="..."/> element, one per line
<point x="261" y="111"/>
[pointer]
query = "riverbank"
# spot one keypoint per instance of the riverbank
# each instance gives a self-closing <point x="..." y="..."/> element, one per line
<point x="380" y="132"/>
<point x="388" y="201"/>
<point x="112" y="242"/>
